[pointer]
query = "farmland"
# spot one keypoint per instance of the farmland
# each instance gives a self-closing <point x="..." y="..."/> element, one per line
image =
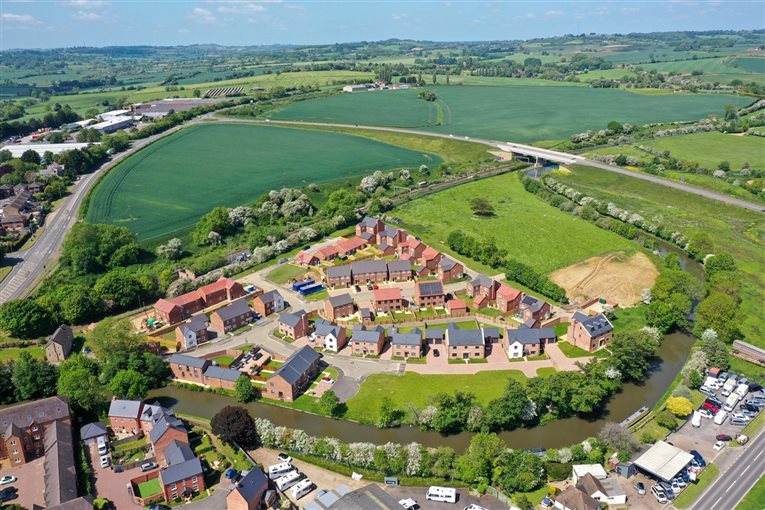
<point x="737" y="231"/>
<point x="506" y="112"/>
<point x="530" y="231"/>
<point x="709" y="149"/>
<point x="167" y="186"/>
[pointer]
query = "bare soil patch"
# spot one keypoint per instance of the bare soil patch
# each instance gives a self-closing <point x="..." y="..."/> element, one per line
<point x="615" y="277"/>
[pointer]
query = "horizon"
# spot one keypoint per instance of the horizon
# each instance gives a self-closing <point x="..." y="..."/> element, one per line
<point x="244" y="23"/>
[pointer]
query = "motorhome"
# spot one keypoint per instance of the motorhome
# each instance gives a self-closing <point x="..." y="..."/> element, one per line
<point x="443" y="494"/>
<point x="302" y="488"/>
<point x="102" y="448"/>
<point x="728" y="387"/>
<point x="731" y="402"/>
<point x="742" y="390"/>
<point x="278" y="470"/>
<point x="288" y="480"/>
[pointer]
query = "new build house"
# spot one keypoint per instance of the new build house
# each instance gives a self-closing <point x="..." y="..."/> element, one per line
<point x="429" y="294"/>
<point x="449" y="269"/>
<point x="369" y="271"/>
<point x="192" y="332"/>
<point x="167" y="430"/>
<point x="173" y="311"/>
<point x="268" y="303"/>
<point x="508" y="298"/>
<point x="367" y="341"/>
<point x="399" y="270"/>
<point x="329" y="336"/>
<point x="533" y="311"/>
<point x="464" y="343"/>
<point x="248" y="492"/>
<point x="293" y="324"/>
<point x="125" y="416"/>
<point x="407" y="345"/>
<point x="387" y="300"/>
<point x="339" y="276"/>
<point x="336" y="307"/>
<point x="347" y="247"/>
<point x="187" y="368"/>
<point x="231" y="317"/>
<point x="25" y="426"/>
<point x="183" y="476"/>
<point x="369" y="226"/>
<point x="590" y="332"/>
<point x="527" y="341"/>
<point x="293" y="375"/>
<point x="482" y="286"/>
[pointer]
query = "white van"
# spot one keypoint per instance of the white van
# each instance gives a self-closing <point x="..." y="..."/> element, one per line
<point x="301" y="489"/>
<point x="288" y="480"/>
<point x="444" y="494"/>
<point x="279" y="470"/>
<point x="102" y="448"/>
<point x="742" y="390"/>
<point x="712" y="382"/>
<point x="696" y="420"/>
<point x="728" y="387"/>
<point x="720" y="417"/>
<point x="730" y="402"/>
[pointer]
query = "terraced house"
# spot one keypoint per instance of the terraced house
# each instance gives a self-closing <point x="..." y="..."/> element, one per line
<point x="293" y="375"/>
<point x="429" y="294"/>
<point x="231" y="317"/>
<point x="387" y="300"/>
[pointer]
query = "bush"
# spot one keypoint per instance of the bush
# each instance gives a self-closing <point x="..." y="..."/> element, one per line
<point x="558" y="471"/>
<point x="666" y="419"/>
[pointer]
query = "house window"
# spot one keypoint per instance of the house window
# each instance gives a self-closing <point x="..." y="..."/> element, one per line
<point x="34" y="428"/>
<point x="13" y="443"/>
<point x="193" y="479"/>
<point x="15" y="452"/>
<point x="172" y="487"/>
<point x="17" y="460"/>
<point x="37" y="437"/>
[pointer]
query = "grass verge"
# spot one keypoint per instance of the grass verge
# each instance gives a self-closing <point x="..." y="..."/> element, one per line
<point x="694" y="490"/>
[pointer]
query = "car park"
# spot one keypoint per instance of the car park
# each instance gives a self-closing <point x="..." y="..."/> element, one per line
<point x="706" y="390"/>
<point x="659" y="493"/>
<point x="722" y="377"/>
<point x="719" y="445"/>
<point x="640" y="488"/>
<point x="706" y="413"/>
<point x="284" y="457"/>
<point x="668" y="492"/>
<point x="7" y="479"/>
<point x="715" y="401"/>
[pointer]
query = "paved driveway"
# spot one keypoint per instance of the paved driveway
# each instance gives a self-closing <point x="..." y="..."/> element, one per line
<point x="30" y="483"/>
<point x="112" y="485"/>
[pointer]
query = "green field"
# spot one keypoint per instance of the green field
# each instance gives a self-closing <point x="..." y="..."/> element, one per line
<point x="711" y="148"/>
<point x="149" y="488"/>
<point x="754" y="497"/>
<point x="167" y="186"/>
<point x="530" y="230"/>
<point x="418" y="389"/>
<point x="735" y="230"/>
<point x="285" y="273"/>
<point x="517" y="113"/>
<point x="11" y="353"/>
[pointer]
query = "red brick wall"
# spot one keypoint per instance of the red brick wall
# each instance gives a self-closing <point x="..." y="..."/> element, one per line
<point x="187" y="373"/>
<point x="458" y="351"/>
<point x="407" y="351"/>
<point x="188" y="483"/>
<point x="132" y="425"/>
<point x="275" y="385"/>
<point x="387" y="305"/>
<point x="166" y="439"/>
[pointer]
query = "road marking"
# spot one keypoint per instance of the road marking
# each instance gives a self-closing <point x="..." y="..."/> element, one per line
<point x="758" y="455"/>
<point x="746" y="468"/>
<point x="730" y="486"/>
<point x="715" y="503"/>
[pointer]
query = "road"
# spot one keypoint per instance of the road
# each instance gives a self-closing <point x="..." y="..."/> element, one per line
<point x="738" y="476"/>
<point x="562" y="157"/>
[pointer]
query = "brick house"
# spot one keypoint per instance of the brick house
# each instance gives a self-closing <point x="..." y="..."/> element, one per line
<point x="449" y="269"/>
<point x="407" y="345"/>
<point x="399" y="270"/>
<point x="13" y="222"/>
<point x="293" y="375"/>
<point x="431" y="258"/>
<point x="367" y="341"/>
<point x="464" y="343"/>
<point x="306" y="259"/>
<point x="151" y="414"/>
<point x="456" y="307"/>
<point x="534" y="309"/>
<point x="348" y="247"/>
<point x="434" y="336"/>
<point x="429" y="294"/>
<point x="224" y="289"/>
<point x="329" y="336"/>
<point x="189" y="369"/>
<point x="390" y="236"/>
<point x="125" y="416"/>
<point x="339" y="276"/>
<point x="248" y="492"/>
<point x="327" y="253"/>
<point x="192" y="332"/>
<point x="482" y="286"/>
<point x="389" y="299"/>
<point x="222" y="377"/>
<point x="59" y="345"/>
<point x="23" y="428"/>
<point x="338" y="306"/>
<point x="365" y="315"/>
<point x="366" y="271"/>
<point x="590" y="333"/>
<point x="231" y="317"/>
<point x="369" y="226"/>
<point x="183" y="477"/>
<point x="508" y="298"/>
<point x="490" y="336"/>
<point x="167" y="430"/>
<point x="411" y="247"/>
<point x="268" y="303"/>
<point x="527" y="342"/>
<point x="293" y="324"/>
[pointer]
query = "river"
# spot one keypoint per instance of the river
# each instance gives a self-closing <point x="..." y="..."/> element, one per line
<point x="671" y="357"/>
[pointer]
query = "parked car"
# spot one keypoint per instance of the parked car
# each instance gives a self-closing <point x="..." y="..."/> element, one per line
<point x="473" y="506"/>
<point x="327" y="379"/>
<point x="711" y="407"/>
<point x="707" y="391"/>
<point x="284" y="457"/>
<point x="640" y="488"/>
<point x="7" y="479"/>
<point x="8" y="496"/>
<point x="715" y="401"/>
<point x="9" y="490"/>
<point x="409" y="504"/>
<point x="723" y="437"/>
<point x="680" y="481"/>
<point x="104" y="461"/>
<point x="759" y="404"/>
<point x="667" y="490"/>
<point x="148" y="466"/>
<point x="659" y="493"/>
<point x="231" y="473"/>
<point x="739" y="415"/>
<point x="719" y="445"/>
<point x="357" y="288"/>
<point x="723" y="376"/>
<point x="697" y="456"/>
<point x="159" y="507"/>
<point x="706" y="413"/>
<point x="739" y="421"/>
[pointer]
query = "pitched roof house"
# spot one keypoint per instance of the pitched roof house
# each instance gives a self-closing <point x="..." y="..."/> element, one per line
<point x="429" y="294"/>
<point x="248" y="491"/>
<point x="125" y="416"/>
<point x="508" y="298"/>
<point x="330" y="336"/>
<point x="464" y="343"/>
<point x="192" y="332"/>
<point x="268" y="303"/>
<point x="574" y="499"/>
<point x="232" y="316"/>
<point x="407" y="345"/>
<point x="482" y="285"/>
<point x="388" y="299"/>
<point x="590" y="332"/>
<point x="367" y="341"/>
<point x="449" y="269"/>
<point x="59" y="345"/>
<point x="290" y="378"/>
<point x="527" y="342"/>
<point x="607" y="490"/>
<point x="293" y="324"/>
<point x="338" y="306"/>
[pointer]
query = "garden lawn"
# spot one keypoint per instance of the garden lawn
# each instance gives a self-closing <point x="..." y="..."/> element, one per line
<point x="530" y="230"/>
<point x="224" y="361"/>
<point x="11" y="353"/>
<point x="732" y="229"/>
<point x="694" y="490"/>
<point x="149" y="488"/>
<point x="572" y="351"/>
<point x="506" y="111"/>
<point x="418" y="389"/>
<point x="285" y="273"/>
<point x="167" y="186"/>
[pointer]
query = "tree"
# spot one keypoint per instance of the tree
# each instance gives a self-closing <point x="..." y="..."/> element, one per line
<point x="666" y="314"/>
<point x="507" y="411"/>
<point x="234" y="424"/>
<point x="24" y="318"/>
<point x="700" y="245"/>
<point x="197" y="92"/>
<point x="386" y="416"/>
<point x="33" y="379"/>
<point x="172" y="250"/>
<point x="329" y="403"/>
<point x="617" y="437"/>
<point x="631" y="352"/>
<point x="113" y="338"/>
<point x="680" y="406"/>
<point x="129" y="384"/>
<point x="244" y="389"/>
<point x="614" y="126"/>
<point x="520" y="471"/>
<point x="452" y="411"/>
<point x="714" y="349"/>
<point x="216" y="220"/>
<point x="718" y="312"/>
<point x="78" y="380"/>
<point x="477" y="464"/>
<point x="119" y="289"/>
<point x="724" y="166"/>
<point x="481" y="206"/>
<point x="666" y="419"/>
<point x="718" y="263"/>
<point x="30" y="156"/>
<point x="7" y="391"/>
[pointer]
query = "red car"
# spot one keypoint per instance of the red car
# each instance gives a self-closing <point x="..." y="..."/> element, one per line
<point x="723" y="437"/>
<point x="711" y="407"/>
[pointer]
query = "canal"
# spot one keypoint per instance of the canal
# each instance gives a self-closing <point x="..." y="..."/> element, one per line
<point x="671" y="357"/>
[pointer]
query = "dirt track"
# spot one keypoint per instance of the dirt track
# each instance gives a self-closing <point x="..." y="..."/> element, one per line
<point x="615" y="277"/>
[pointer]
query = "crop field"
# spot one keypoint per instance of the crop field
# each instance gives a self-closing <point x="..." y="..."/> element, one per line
<point x="516" y="113"/>
<point x="530" y="230"/>
<point x="709" y="149"/>
<point x="737" y="231"/>
<point x="167" y="186"/>
<point x="722" y="70"/>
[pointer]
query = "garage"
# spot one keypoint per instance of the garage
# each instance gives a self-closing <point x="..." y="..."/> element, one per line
<point x="663" y="461"/>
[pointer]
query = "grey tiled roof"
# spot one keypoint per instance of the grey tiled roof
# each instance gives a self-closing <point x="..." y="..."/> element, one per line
<point x="532" y="303"/>
<point x="397" y="266"/>
<point x="125" y="408"/>
<point x="63" y="336"/>
<point x="235" y="309"/>
<point x="92" y="430"/>
<point x="327" y="329"/>
<point x="39" y="411"/>
<point x="195" y="323"/>
<point x="82" y="503"/>
<point x="343" y="271"/>
<point x="464" y="337"/>
<point x="528" y="335"/>
<point x="368" y="222"/>
<point x="371" y="497"/>
<point x="177" y="452"/>
<point x="369" y="266"/>
<point x="596" y="325"/>
<point x="430" y="288"/>
<point x="189" y="361"/>
<point x="435" y="333"/>
<point x="491" y="332"/>
<point x="163" y="425"/>
<point x="177" y="472"/>
<point x="367" y="336"/>
<point x="297" y="364"/>
<point x="364" y="312"/>
<point x="252" y="484"/>
<point x="268" y="297"/>
<point x="291" y="319"/>
<point x="414" y="337"/>
<point x="367" y="236"/>
<point x="340" y="300"/>
<point x="60" y="476"/>
<point x="447" y="264"/>
<point x="389" y="232"/>
<point x="482" y="280"/>
<point x="225" y="374"/>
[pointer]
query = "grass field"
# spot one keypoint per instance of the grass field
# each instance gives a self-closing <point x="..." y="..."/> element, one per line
<point x="167" y="186"/>
<point x="285" y="273"/>
<point x="506" y="112"/>
<point x="735" y="230"/>
<point x="11" y="353"/>
<point x="754" y="497"/>
<point x="709" y="149"/>
<point x="418" y="389"/>
<point x="530" y="230"/>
